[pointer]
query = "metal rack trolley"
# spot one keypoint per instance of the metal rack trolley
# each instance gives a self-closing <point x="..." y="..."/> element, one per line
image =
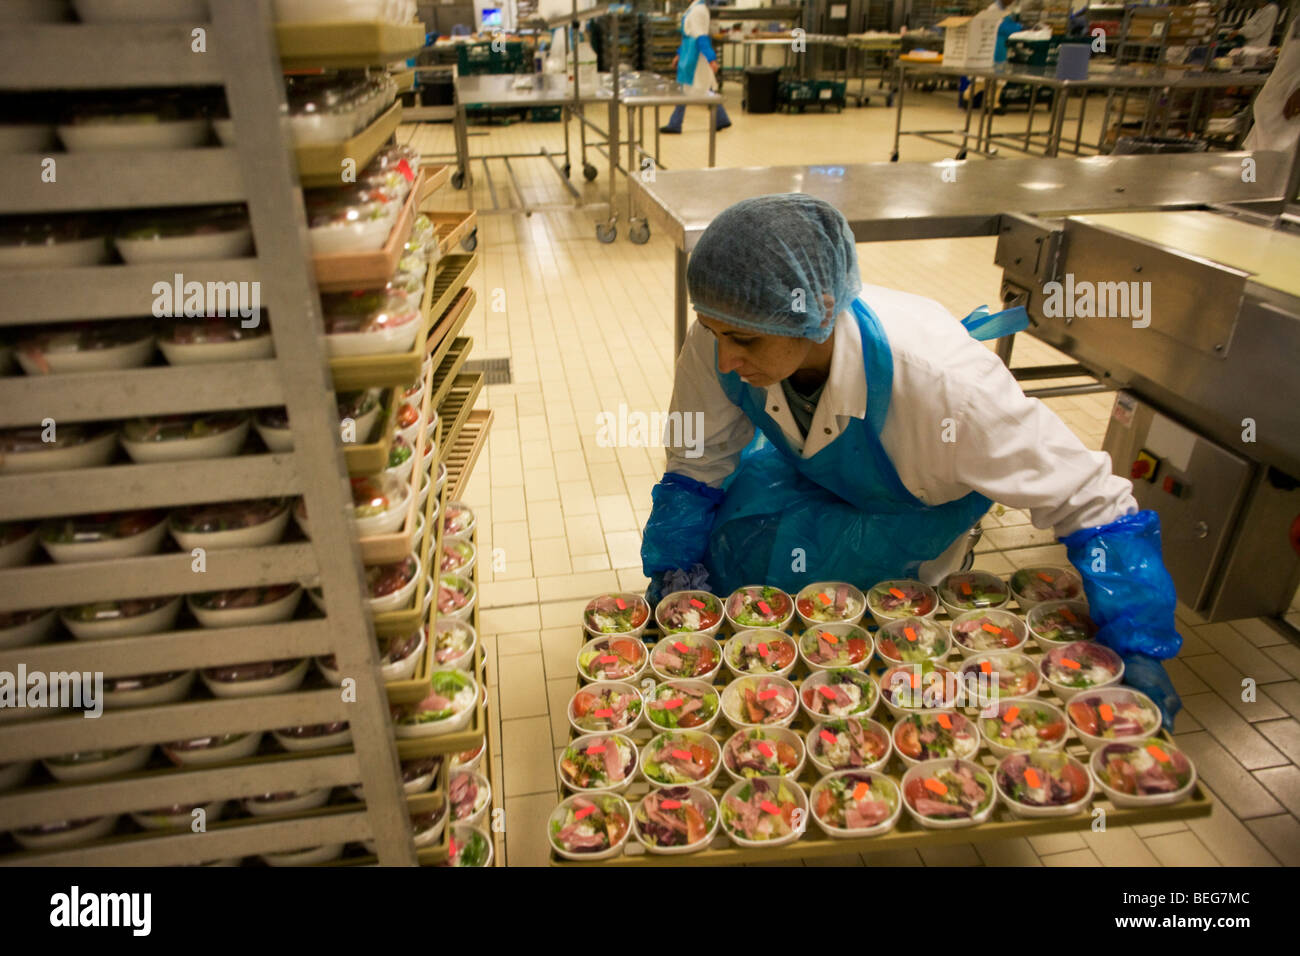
<point x="1123" y="81"/>
<point x="242" y="58"/>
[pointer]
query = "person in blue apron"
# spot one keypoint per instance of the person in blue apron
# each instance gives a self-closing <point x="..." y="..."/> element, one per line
<point x="696" y="63"/>
<point x="858" y="433"/>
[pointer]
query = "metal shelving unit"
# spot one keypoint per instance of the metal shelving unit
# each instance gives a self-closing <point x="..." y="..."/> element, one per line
<point x="241" y="57"/>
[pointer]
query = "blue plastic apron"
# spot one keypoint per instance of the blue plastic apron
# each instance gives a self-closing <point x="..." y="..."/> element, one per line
<point x="842" y="514"/>
<point x="688" y="54"/>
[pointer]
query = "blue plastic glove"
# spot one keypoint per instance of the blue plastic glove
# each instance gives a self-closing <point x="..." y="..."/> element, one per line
<point x="666" y="582"/>
<point x="677" y="534"/>
<point x="1131" y="599"/>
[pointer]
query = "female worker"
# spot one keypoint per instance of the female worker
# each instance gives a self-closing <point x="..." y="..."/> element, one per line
<point x="696" y="63"/>
<point x="858" y="434"/>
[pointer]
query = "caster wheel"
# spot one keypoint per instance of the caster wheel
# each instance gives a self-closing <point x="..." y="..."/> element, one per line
<point x="567" y="170"/>
<point x="640" y="233"/>
<point x="588" y="172"/>
<point x="961" y="155"/>
<point x="606" y="233"/>
<point x="457" y="181"/>
<point x="893" y="157"/>
<point x="470" y="242"/>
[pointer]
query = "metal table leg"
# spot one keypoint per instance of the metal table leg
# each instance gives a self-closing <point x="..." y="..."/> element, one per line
<point x="679" y="301"/>
<point x="1033" y="105"/>
<point x="462" y="146"/>
<point x="1083" y="108"/>
<point x="1058" y="122"/>
<point x="898" y="114"/>
<point x="713" y="134"/>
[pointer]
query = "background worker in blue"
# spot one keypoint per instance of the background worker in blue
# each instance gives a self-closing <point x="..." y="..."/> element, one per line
<point x="696" y="63"/>
<point x="859" y="433"/>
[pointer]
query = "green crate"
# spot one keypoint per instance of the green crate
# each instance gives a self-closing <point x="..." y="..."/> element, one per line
<point x="479" y="58"/>
<point x="545" y="114"/>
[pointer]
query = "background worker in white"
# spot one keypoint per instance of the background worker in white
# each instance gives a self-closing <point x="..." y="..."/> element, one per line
<point x="1257" y="31"/>
<point x="696" y="63"/>
<point x="886" y="432"/>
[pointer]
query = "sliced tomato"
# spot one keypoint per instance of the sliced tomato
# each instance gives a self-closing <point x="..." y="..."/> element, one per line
<point x="805" y="607"/>
<point x="780" y="653"/>
<point x="628" y="650"/>
<point x="1053" y="731"/>
<point x="708" y="619"/>
<point x="915" y="790"/>
<point x="702" y="756"/>
<point x="857" y="648"/>
<point x="696" y="828"/>
<point x="788" y="808"/>
<point x="690" y="720"/>
<point x="924" y="605"/>
<point x="786" y="756"/>
<point x="824" y="802"/>
<point x="1084" y="716"/>
<point x="1076" y="778"/>
<point x="583" y="702"/>
<point x="889" y="649"/>
<point x="909" y="740"/>
<point x="755" y="712"/>
<point x="639" y="615"/>
<point x="707" y="660"/>
<point x="615" y="826"/>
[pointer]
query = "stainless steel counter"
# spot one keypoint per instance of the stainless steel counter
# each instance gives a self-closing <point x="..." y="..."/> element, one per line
<point x="885" y="201"/>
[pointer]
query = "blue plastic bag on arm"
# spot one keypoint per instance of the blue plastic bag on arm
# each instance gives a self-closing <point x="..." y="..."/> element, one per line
<point x="1131" y="599"/>
<point x="681" y="516"/>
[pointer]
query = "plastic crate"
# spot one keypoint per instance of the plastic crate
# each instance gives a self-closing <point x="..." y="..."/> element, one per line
<point x="480" y="58"/>
<point x="545" y="114"/>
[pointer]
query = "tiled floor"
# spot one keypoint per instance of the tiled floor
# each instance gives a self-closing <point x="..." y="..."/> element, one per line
<point x="589" y="327"/>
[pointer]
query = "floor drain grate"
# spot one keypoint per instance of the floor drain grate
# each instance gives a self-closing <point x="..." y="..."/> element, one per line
<point x="496" y="371"/>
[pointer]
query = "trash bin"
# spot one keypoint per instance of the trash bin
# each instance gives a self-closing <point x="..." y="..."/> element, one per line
<point x="760" y="89"/>
<point x="1128" y="145"/>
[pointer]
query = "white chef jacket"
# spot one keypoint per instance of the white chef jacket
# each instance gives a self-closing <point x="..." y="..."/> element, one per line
<point x="1011" y="448"/>
<point x="696" y="24"/>
<point x="1257" y="31"/>
<point x="1272" y="130"/>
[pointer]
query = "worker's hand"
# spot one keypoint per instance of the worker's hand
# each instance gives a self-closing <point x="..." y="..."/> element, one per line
<point x="715" y="64"/>
<point x="666" y="582"/>
<point x="675" y="58"/>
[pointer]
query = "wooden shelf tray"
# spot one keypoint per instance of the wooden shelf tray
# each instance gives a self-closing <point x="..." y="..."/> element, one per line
<point x="372" y="457"/>
<point x="321" y="165"/>
<point x="453" y="227"/>
<point x="455" y="408"/>
<point x="345" y="271"/>
<point x="464" y="453"/>
<point x="305" y="46"/>
<point x="907" y="834"/>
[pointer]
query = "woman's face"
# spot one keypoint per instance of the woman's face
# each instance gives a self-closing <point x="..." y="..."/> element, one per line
<point x="759" y="359"/>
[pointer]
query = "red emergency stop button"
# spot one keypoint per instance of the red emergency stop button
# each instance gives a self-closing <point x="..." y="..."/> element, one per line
<point x="1295" y="534"/>
<point x="1140" y="469"/>
<point x="1144" y="466"/>
<point x="1170" y="485"/>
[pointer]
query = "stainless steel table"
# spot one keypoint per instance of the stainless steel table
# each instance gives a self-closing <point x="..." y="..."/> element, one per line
<point x="888" y="201"/>
<point x="1122" y="80"/>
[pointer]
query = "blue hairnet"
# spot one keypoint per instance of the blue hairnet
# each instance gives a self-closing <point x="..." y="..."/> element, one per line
<point x="765" y="263"/>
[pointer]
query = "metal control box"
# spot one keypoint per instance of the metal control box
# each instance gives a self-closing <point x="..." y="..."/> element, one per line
<point x="1225" y="520"/>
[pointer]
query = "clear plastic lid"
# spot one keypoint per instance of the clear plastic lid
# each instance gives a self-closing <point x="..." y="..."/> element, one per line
<point x="176" y="223"/>
<point x="210" y="330"/>
<point x="16" y="441"/>
<point x="70" y="337"/>
<point x="228" y="516"/>
<point x="50" y="230"/>
<point x="181" y="427"/>
<point x="348" y="313"/>
<point x="87" y="529"/>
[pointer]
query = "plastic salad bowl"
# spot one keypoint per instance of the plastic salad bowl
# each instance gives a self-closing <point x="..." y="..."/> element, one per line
<point x="605" y="707"/>
<point x="841" y="692"/>
<point x="1055" y="624"/>
<point x="933" y="735"/>
<point x="599" y="762"/>
<point x="855" y="743"/>
<point x="760" y="702"/>
<point x="1113" y="714"/>
<point x="760" y="652"/>
<point x="1143" y="773"/>
<point x="891" y="600"/>
<point x="675" y="820"/>
<point x="1043" y="784"/>
<point x="912" y="640"/>
<point x="590" y="826"/>
<point x="949" y="793"/>
<point x="964" y="591"/>
<point x="686" y="656"/>
<point x="763" y="752"/>
<point x="682" y="705"/>
<point x="848" y="804"/>
<point x="1037" y="585"/>
<point x="696" y="612"/>
<point x="978" y="632"/>
<point x="828" y="646"/>
<point x="758" y="606"/>
<point x="830" y="602"/>
<point x="624" y="614"/>
<point x="1023" y="725"/>
<point x="1080" y="667"/>
<point x="764" y="812"/>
